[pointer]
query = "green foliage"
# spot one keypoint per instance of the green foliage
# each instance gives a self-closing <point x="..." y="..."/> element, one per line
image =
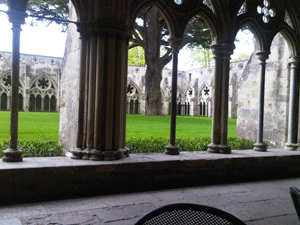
<point x="136" y="56"/>
<point x="201" y="57"/>
<point x="241" y="57"/>
<point x="35" y="148"/>
<point x="158" y="144"/>
<point x="55" y="10"/>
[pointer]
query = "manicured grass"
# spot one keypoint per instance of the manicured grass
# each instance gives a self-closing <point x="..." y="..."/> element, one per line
<point x="140" y="126"/>
<point x="43" y="126"/>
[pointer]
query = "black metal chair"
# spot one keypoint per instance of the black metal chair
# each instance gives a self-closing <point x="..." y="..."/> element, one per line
<point x="295" y="193"/>
<point x="188" y="214"/>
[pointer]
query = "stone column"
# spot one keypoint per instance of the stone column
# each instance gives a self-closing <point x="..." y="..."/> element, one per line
<point x="91" y="96"/>
<point x="77" y="153"/>
<point x="292" y="142"/>
<point x="43" y="104"/>
<point x="106" y="119"/>
<point x="259" y="145"/>
<point x="8" y="104"/>
<point x="227" y="51"/>
<point x="222" y="54"/>
<point x="171" y="148"/>
<point x="17" y="15"/>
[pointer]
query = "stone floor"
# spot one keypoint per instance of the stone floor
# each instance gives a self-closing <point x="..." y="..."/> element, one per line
<point x="263" y="202"/>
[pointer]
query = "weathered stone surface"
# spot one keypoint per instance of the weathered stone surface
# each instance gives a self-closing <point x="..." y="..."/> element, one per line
<point x="276" y="96"/>
<point x="121" y="213"/>
<point x="78" y="217"/>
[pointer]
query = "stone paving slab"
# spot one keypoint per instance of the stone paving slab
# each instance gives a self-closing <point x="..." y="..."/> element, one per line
<point x="126" y="213"/>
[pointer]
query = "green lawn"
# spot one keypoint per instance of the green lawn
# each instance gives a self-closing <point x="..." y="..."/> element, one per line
<point x="140" y="126"/>
<point x="44" y="126"/>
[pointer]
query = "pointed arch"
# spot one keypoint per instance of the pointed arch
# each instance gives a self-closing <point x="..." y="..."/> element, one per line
<point x="133" y="97"/>
<point x="204" y="100"/>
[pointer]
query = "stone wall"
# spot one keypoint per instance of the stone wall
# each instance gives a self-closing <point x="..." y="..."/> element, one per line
<point x="276" y="96"/>
<point x="69" y="87"/>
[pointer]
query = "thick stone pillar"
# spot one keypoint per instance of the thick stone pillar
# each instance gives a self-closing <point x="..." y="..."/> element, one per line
<point x="102" y="108"/>
<point x="292" y="142"/>
<point x="259" y="145"/>
<point x="171" y="148"/>
<point x="17" y="15"/>
<point x="222" y="54"/>
<point x="111" y="87"/>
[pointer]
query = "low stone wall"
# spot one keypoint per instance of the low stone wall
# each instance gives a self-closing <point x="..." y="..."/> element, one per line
<point x="40" y="179"/>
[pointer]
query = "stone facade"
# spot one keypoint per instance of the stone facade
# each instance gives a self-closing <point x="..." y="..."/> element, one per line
<point x="39" y="83"/>
<point x="276" y="96"/>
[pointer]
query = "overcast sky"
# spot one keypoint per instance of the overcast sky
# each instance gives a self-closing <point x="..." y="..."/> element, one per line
<point x="50" y="41"/>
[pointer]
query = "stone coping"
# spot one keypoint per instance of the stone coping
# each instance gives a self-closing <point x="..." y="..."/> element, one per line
<point x="50" y="178"/>
<point x="46" y="162"/>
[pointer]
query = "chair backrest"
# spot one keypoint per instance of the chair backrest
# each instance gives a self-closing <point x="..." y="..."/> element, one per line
<point x="187" y="214"/>
<point x="295" y="193"/>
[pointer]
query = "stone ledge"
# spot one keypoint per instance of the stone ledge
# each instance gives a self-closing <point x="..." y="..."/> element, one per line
<point x="37" y="179"/>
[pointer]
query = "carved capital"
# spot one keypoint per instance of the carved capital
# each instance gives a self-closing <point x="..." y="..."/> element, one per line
<point x="107" y="29"/>
<point x="295" y="61"/>
<point x="222" y="50"/>
<point x="263" y="56"/>
<point x="176" y="44"/>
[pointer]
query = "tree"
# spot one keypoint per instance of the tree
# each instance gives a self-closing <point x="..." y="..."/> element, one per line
<point x="202" y="57"/>
<point x="48" y="11"/>
<point x="136" y="56"/>
<point x="242" y="56"/>
<point x="151" y="33"/>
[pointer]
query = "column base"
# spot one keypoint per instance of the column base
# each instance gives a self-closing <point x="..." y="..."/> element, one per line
<point x="261" y="147"/>
<point x="77" y="153"/>
<point x="97" y="155"/>
<point x="12" y="155"/>
<point x="224" y="149"/>
<point x="172" y="150"/>
<point x="291" y="146"/>
<point x="213" y="148"/>
<point x="86" y="154"/>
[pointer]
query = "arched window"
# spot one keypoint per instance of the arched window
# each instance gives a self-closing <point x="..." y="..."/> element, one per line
<point x="4" y="101"/>
<point x="20" y="102"/>
<point x="132" y="98"/>
<point x="32" y="103"/>
<point x="44" y="85"/>
<point x="53" y="104"/>
<point x="46" y="103"/>
<point x="38" y="103"/>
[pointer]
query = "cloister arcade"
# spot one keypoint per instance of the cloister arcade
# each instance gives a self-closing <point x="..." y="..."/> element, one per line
<point x="105" y="28"/>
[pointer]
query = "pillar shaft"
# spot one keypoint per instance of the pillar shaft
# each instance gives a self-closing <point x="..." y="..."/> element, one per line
<point x="222" y="54"/>
<point x="16" y="14"/>
<point x="77" y="153"/>
<point x="292" y="142"/>
<point x="103" y="85"/>
<point x="259" y="145"/>
<point x="171" y="148"/>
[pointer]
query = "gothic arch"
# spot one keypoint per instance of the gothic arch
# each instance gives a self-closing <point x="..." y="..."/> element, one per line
<point x="204" y="100"/>
<point x="133" y="98"/>
<point x="43" y="93"/>
<point x="157" y="4"/>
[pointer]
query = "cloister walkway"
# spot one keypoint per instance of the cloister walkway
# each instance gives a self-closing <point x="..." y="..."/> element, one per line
<point x="256" y="203"/>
